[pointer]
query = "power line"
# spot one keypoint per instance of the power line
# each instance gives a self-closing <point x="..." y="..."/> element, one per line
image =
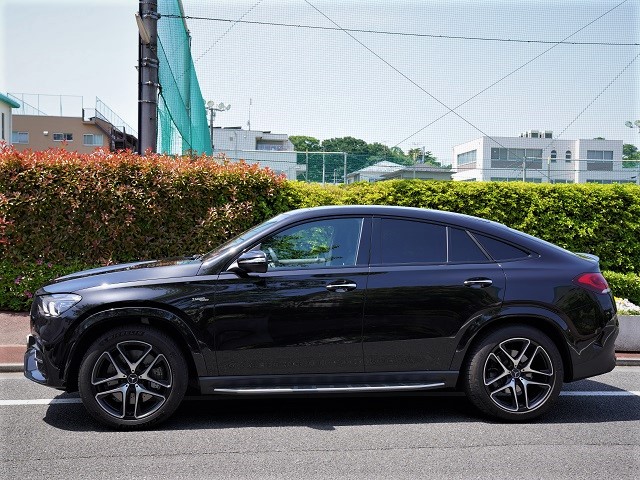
<point x="511" y="72"/>
<point x="233" y="24"/>
<point x="596" y="97"/>
<point x="406" y="77"/>
<point x="384" y="32"/>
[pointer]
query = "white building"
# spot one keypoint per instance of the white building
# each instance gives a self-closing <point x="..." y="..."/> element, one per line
<point x="6" y="123"/>
<point x="538" y="157"/>
<point x="373" y="173"/>
<point x="272" y="150"/>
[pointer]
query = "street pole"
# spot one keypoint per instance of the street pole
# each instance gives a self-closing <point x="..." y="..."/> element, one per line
<point x="345" y="167"/>
<point x="148" y="77"/>
<point x="306" y="172"/>
<point x="323" y="168"/>
<point x="211" y="128"/>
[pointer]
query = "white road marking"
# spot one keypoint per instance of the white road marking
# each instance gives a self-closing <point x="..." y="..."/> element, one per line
<point x="598" y="393"/>
<point x="40" y="401"/>
<point x="571" y="393"/>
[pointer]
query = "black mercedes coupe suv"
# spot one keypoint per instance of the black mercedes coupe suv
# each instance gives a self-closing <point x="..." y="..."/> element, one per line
<point x="331" y="300"/>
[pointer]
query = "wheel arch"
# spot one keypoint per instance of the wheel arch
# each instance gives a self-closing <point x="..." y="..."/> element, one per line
<point x="167" y="322"/>
<point x="554" y="328"/>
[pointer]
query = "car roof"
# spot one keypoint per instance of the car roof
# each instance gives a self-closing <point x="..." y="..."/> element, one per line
<point x="387" y="210"/>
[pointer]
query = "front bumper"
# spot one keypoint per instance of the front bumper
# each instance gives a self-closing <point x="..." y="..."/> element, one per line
<point x="34" y="368"/>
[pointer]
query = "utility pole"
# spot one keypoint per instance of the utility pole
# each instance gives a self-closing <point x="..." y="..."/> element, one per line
<point x="147" y="19"/>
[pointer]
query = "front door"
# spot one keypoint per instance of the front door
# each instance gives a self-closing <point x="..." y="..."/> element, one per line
<point x="304" y="315"/>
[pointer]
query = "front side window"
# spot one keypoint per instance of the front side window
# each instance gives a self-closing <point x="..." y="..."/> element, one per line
<point x="319" y="244"/>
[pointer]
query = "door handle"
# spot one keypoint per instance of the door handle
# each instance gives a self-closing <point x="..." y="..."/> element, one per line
<point x="340" y="287"/>
<point x="478" y="282"/>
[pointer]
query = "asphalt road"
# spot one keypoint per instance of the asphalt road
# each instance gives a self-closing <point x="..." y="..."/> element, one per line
<point x="593" y="432"/>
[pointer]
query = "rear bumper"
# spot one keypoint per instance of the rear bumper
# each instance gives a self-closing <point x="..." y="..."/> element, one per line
<point x="599" y="356"/>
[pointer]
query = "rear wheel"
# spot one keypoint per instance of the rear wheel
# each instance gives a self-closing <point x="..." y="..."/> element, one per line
<point x="514" y="373"/>
<point x="132" y="377"/>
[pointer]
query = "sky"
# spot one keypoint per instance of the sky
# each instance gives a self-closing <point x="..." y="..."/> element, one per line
<point x="384" y="88"/>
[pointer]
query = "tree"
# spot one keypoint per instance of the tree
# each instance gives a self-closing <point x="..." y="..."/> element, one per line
<point x="302" y="143"/>
<point x="630" y="155"/>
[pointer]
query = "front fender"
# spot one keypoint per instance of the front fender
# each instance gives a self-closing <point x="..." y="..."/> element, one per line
<point x="175" y="323"/>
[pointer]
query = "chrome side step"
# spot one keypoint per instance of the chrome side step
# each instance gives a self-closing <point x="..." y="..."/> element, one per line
<point x="329" y="389"/>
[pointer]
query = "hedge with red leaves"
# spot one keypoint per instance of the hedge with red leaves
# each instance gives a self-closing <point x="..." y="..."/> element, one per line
<point x="113" y="207"/>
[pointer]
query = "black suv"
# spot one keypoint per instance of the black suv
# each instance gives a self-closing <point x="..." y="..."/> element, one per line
<point x="331" y="299"/>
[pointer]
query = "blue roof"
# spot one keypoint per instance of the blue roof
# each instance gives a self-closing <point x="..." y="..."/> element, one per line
<point x="9" y="101"/>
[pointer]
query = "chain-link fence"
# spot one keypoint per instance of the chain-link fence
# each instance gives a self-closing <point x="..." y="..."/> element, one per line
<point x="340" y="167"/>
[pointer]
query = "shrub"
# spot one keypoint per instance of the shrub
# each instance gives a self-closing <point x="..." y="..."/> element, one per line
<point x="624" y="285"/>
<point x="19" y="281"/>
<point x="105" y="207"/>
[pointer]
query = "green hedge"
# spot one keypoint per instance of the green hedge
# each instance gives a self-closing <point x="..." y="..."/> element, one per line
<point x="624" y="285"/>
<point x="105" y="208"/>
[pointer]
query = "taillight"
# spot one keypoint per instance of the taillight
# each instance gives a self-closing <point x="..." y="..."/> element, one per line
<point x="592" y="281"/>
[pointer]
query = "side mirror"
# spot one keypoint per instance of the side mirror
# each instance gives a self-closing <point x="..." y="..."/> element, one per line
<point x="254" y="261"/>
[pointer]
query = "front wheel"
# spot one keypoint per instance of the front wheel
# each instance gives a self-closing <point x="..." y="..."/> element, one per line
<point x="515" y="373"/>
<point x="132" y="377"/>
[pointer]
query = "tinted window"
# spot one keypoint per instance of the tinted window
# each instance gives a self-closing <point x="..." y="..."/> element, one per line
<point x="404" y="241"/>
<point x="319" y="244"/>
<point x="500" y="250"/>
<point x="462" y="248"/>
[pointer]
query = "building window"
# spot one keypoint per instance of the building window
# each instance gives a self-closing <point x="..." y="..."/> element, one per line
<point x="599" y="154"/>
<point x="63" y="137"/>
<point x="92" y="140"/>
<point x="270" y="145"/>
<point x="20" y="137"/>
<point x="467" y="157"/>
<point x="516" y="153"/>
<point x="3" y="126"/>
<point x="554" y="155"/>
<point x="513" y="157"/>
<point x="516" y="179"/>
<point x="604" y="160"/>
<point x="567" y="155"/>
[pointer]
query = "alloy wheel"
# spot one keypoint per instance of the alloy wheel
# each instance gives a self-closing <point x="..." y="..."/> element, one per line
<point x="518" y="375"/>
<point x="132" y="380"/>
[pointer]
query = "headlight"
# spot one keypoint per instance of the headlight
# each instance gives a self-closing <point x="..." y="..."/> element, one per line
<point x="56" y="304"/>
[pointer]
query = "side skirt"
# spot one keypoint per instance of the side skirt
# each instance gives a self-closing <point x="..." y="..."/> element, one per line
<point x="322" y="383"/>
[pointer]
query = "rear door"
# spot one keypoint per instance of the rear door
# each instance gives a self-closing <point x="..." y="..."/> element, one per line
<point x="426" y="281"/>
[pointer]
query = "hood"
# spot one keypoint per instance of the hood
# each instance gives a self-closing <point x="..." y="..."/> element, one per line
<point x="125" y="273"/>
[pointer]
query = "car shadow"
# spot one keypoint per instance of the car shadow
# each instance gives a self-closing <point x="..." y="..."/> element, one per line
<point x="329" y="412"/>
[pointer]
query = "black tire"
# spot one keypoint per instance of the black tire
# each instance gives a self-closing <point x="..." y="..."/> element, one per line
<point x="514" y="373"/>
<point x="136" y="363"/>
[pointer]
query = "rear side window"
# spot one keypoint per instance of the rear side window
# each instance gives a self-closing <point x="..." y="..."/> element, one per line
<point x="406" y="241"/>
<point x="462" y="248"/>
<point x="499" y="250"/>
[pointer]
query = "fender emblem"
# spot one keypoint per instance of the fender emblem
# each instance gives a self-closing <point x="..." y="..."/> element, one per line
<point x="200" y="299"/>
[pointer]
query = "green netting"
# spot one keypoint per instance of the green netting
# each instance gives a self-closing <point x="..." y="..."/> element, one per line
<point x="182" y="118"/>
